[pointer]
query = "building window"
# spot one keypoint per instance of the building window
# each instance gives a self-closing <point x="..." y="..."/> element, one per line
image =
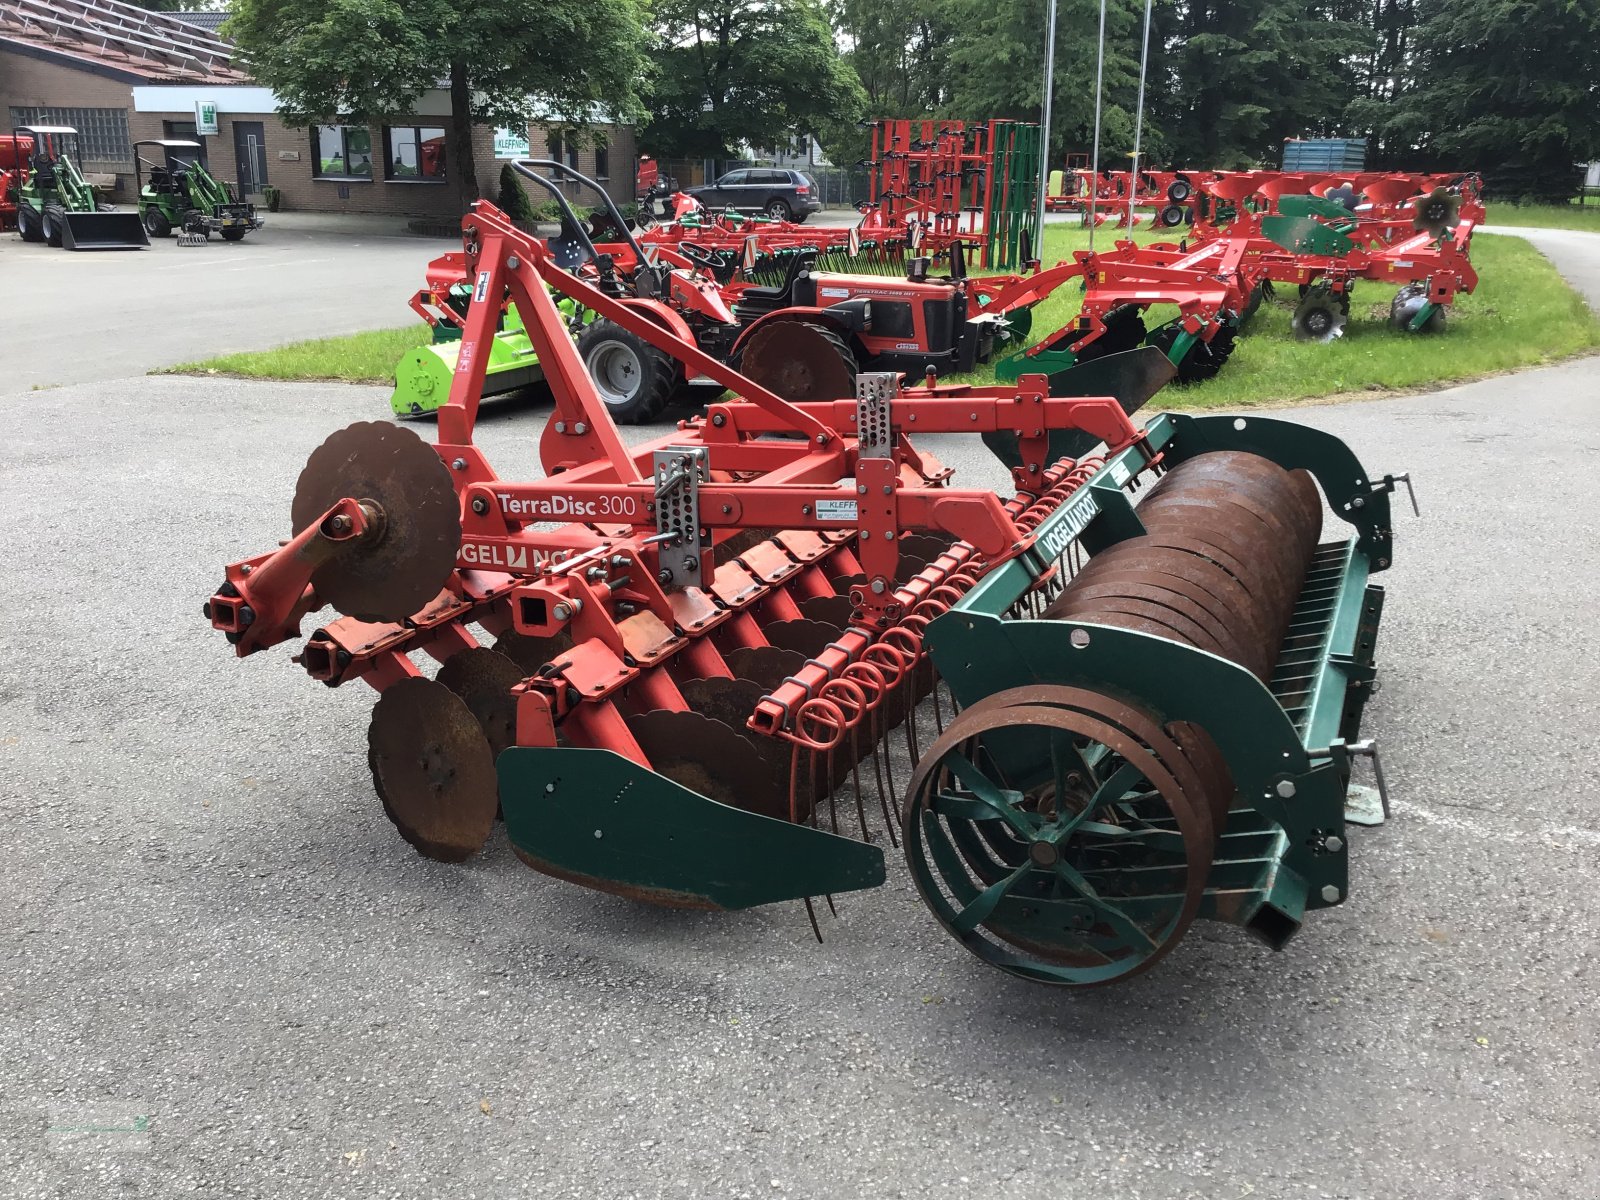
<point x="414" y="152"/>
<point x="102" y="132"/>
<point x="602" y="160"/>
<point x="341" y="151"/>
<point x="562" y="148"/>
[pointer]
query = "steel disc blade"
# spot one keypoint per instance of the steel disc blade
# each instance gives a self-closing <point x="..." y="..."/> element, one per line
<point x="767" y="665"/>
<point x="808" y="637"/>
<point x="835" y="610"/>
<point x="484" y="679"/>
<point x="711" y="759"/>
<point x="1318" y="319"/>
<point x="799" y="361"/>
<point x="730" y="701"/>
<point x="407" y="559"/>
<point x="1436" y="212"/>
<point x="433" y="769"/>
<point x="530" y="653"/>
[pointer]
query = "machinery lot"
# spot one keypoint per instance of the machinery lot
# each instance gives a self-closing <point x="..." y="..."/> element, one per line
<point x="213" y="927"/>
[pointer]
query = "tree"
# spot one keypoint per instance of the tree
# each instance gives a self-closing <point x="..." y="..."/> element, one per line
<point x="899" y="50"/>
<point x="504" y="61"/>
<point x="1509" y="88"/>
<point x="1245" y="74"/>
<point x="756" y="72"/>
<point x="996" y="69"/>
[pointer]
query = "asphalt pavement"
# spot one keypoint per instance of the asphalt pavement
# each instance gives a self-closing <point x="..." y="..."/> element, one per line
<point x="101" y="315"/>
<point x="221" y="973"/>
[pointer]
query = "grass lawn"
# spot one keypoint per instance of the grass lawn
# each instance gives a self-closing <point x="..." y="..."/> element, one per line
<point x="1548" y="216"/>
<point x="357" y="358"/>
<point x="1522" y="314"/>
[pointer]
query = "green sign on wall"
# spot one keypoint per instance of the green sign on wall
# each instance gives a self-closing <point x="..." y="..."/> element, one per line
<point x="205" y="117"/>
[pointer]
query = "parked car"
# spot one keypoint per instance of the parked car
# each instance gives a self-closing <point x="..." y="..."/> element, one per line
<point x="781" y="195"/>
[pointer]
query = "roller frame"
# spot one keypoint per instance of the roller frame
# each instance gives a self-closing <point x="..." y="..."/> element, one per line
<point x="1274" y="862"/>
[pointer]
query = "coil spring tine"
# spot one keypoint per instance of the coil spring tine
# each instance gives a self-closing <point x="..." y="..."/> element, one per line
<point x="794" y="778"/>
<point x="855" y="778"/>
<point x="829" y="898"/>
<point x="811" y="912"/>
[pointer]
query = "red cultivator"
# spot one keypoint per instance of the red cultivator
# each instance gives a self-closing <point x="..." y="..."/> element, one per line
<point x="702" y="642"/>
<point x="1256" y="229"/>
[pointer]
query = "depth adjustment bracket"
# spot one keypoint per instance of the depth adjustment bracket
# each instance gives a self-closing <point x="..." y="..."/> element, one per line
<point x="875" y="395"/>
<point x="681" y="541"/>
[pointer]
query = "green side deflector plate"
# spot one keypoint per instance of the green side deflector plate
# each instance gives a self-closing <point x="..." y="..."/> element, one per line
<point x="599" y="819"/>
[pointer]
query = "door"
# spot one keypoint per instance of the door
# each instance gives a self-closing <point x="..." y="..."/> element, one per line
<point x="728" y="190"/>
<point x="250" y="157"/>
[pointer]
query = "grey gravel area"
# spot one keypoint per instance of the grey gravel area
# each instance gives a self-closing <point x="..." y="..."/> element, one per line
<point x="221" y="973"/>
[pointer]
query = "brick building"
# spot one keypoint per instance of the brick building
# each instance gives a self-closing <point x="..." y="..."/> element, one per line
<point x="119" y="74"/>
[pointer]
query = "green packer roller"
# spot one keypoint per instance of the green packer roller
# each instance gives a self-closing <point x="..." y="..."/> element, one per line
<point x="1167" y="732"/>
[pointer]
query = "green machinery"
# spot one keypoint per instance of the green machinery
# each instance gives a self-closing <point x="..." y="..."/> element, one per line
<point x="1169" y="734"/>
<point x="182" y="194"/>
<point x="1011" y="232"/>
<point x="56" y="205"/>
<point x="422" y="377"/>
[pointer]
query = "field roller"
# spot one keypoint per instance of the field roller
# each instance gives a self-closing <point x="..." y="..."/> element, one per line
<point x="677" y="668"/>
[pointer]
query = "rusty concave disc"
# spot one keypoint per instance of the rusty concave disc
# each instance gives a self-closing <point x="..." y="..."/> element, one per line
<point x="402" y="564"/>
<point x="433" y="769"/>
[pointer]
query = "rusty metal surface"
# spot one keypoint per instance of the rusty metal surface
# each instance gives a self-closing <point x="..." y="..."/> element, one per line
<point x="529" y="652"/>
<point x="835" y="610"/>
<point x="710" y="758"/>
<point x="730" y="701"/>
<point x="1230" y="539"/>
<point x="806" y="636"/>
<point x="433" y="769"/>
<point x="484" y="679"/>
<point x="767" y="665"/>
<point x="403" y="563"/>
<point x="1188" y="792"/>
<point x="798" y="361"/>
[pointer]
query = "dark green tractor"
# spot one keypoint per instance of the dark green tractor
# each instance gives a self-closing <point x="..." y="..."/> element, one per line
<point x="56" y="204"/>
<point x="181" y="194"/>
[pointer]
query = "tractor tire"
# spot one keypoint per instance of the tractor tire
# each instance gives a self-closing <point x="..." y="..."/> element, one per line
<point x="634" y="379"/>
<point x="55" y="223"/>
<point x="1172" y="215"/>
<point x="778" y="211"/>
<point x="156" y="223"/>
<point x="1179" y="191"/>
<point x="30" y="226"/>
<point x="234" y="235"/>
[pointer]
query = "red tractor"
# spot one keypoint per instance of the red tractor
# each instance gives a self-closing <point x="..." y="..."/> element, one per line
<point x="805" y="338"/>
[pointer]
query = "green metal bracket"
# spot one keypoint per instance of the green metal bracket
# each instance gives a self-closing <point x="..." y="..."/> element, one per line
<point x="1420" y="322"/>
<point x="979" y="654"/>
<point x="600" y="819"/>
<point x="1330" y="211"/>
<point x="1306" y="235"/>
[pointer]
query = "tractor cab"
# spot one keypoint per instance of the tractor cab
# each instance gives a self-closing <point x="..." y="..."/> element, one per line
<point x="49" y="144"/>
<point x="56" y="205"/>
<point x="169" y="175"/>
<point x="180" y="193"/>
